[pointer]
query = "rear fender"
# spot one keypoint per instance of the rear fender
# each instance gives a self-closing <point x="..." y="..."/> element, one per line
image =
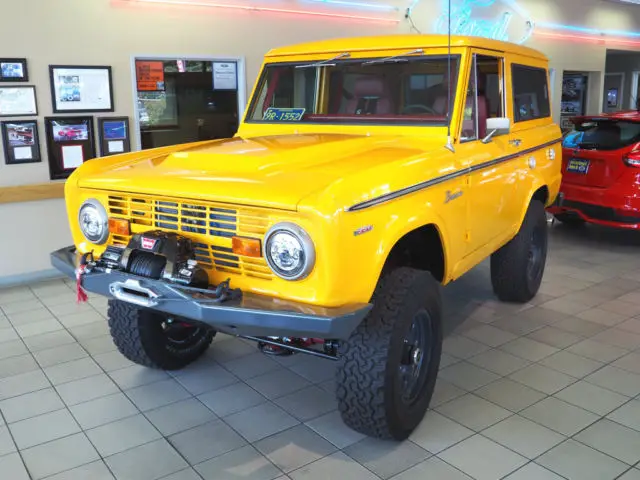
<point x="539" y="191"/>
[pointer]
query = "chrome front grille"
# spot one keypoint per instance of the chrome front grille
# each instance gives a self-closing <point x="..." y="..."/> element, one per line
<point x="210" y="226"/>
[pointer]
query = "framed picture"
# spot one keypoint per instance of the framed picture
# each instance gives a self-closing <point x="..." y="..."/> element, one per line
<point x="21" y="141"/>
<point x="70" y="143"/>
<point x="18" y="101"/>
<point x="114" y="135"/>
<point x="76" y="89"/>
<point x="13" y="70"/>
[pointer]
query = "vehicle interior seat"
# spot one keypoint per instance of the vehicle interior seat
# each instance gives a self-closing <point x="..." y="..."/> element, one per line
<point x="370" y="97"/>
<point x="440" y="106"/>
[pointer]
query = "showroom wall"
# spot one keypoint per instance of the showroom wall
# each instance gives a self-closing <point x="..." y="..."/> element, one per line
<point x="111" y="32"/>
<point x="626" y="63"/>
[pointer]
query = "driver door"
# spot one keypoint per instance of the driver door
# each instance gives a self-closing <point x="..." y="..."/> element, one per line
<point x="491" y="174"/>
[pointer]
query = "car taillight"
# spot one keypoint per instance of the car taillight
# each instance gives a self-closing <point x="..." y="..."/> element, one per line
<point x="632" y="159"/>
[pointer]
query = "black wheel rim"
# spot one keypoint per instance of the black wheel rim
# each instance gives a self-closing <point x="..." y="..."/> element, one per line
<point x="536" y="254"/>
<point x="416" y="357"/>
<point x="181" y="335"/>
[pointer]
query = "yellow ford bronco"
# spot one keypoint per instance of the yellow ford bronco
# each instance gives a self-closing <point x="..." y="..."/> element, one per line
<point x="366" y="173"/>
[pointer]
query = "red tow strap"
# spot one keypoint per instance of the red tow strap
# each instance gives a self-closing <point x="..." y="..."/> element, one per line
<point x="81" y="294"/>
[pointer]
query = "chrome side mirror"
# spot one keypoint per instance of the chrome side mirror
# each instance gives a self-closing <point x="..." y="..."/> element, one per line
<point x="495" y="126"/>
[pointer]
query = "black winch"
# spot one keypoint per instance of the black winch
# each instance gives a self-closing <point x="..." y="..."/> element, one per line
<point x="157" y="255"/>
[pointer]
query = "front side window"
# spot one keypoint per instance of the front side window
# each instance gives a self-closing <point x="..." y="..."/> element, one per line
<point x="401" y="91"/>
<point x="530" y="93"/>
<point x="485" y="96"/>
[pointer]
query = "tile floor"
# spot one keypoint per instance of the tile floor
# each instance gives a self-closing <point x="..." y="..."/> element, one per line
<point x="543" y="391"/>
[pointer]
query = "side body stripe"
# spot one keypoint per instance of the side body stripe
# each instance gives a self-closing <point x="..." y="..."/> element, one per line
<point x="445" y="178"/>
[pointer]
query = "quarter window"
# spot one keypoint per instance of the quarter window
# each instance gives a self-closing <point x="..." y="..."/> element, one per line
<point x="530" y="93"/>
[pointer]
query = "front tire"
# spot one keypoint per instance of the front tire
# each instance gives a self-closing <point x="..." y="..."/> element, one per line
<point x="389" y="365"/>
<point x="152" y="340"/>
<point x="517" y="268"/>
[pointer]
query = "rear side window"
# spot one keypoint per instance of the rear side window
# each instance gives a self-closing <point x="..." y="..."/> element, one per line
<point x="603" y="135"/>
<point x="530" y="93"/>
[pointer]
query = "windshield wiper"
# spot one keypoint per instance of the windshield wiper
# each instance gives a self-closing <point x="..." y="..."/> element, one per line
<point x="396" y="58"/>
<point x="325" y="63"/>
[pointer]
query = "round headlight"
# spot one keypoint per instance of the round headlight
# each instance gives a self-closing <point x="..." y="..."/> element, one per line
<point x="94" y="222"/>
<point x="289" y="251"/>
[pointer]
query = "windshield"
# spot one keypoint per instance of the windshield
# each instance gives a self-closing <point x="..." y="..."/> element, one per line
<point x="393" y="91"/>
<point x="603" y="134"/>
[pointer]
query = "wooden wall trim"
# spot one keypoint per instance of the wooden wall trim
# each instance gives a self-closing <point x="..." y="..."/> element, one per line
<point x="32" y="192"/>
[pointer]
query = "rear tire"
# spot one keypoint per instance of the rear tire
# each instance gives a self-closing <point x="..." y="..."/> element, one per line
<point x="518" y="267"/>
<point x="389" y="365"/>
<point x="570" y="220"/>
<point x="147" y="338"/>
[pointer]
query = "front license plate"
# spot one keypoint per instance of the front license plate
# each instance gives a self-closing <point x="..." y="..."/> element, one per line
<point x="284" y="114"/>
<point x="578" y="166"/>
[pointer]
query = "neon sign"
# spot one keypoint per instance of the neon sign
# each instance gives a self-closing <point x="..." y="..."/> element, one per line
<point x="354" y="4"/>
<point x="465" y="22"/>
<point x="230" y="5"/>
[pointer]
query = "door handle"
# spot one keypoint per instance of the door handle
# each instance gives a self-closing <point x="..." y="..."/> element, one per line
<point x="515" y="142"/>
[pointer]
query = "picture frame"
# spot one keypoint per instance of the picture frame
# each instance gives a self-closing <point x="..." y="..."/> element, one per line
<point x="14" y="70"/>
<point x="21" y="141"/>
<point x="114" y="135"/>
<point x="70" y="143"/>
<point x="81" y="89"/>
<point x="18" y="101"/>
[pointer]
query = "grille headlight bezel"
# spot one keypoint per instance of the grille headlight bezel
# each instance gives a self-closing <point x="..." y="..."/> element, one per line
<point x="289" y="235"/>
<point x="94" y="208"/>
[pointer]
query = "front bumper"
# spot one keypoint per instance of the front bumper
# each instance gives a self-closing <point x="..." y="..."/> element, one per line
<point x="251" y="314"/>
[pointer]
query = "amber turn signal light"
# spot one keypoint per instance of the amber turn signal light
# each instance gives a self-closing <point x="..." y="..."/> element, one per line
<point x="247" y="247"/>
<point x="119" y="226"/>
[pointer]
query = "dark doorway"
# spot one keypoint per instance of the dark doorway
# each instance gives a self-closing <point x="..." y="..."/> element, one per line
<point x="182" y="101"/>
<point x="574" y="97"/>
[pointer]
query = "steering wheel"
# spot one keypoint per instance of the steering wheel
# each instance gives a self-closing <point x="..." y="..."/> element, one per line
<point x="417" y="106"/>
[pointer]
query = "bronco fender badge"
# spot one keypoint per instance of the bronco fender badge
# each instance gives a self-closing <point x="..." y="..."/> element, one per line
<point x="148" y="243"/>
<point x="449" y="196"/>
<point x="362" y="230"/>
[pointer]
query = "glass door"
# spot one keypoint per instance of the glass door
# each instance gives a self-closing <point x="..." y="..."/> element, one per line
<point x="574" y="98"/>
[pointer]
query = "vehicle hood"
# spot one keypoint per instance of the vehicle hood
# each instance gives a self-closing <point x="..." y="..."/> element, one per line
<point x="274" y="171"/>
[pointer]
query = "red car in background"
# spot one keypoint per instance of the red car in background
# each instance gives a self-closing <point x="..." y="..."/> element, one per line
<point x="601" y="171"/>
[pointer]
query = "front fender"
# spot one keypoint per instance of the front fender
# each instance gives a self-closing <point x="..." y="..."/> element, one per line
<point x="369" y="236"/>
